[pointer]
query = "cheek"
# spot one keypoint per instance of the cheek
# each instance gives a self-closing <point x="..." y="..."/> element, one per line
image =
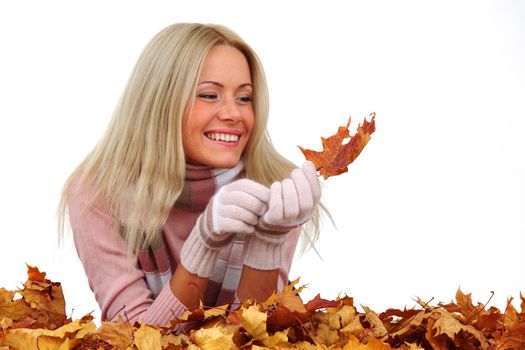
<point x="250" y="123"/>
<point x="192" y="123"/>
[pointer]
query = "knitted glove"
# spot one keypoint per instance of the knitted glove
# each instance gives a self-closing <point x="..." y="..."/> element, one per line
<point x="292" y="203"/>
<point x="235" y="208"/>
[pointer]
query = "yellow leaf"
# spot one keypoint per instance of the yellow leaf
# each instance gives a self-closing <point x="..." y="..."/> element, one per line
<point x="147" y="338"/>
<point x="254" y="321"/>
<point x="341" y="316"/>
<point x="353" y="327"/>
<point x="288" y="297"/>
<point x="15" y="310"/>
<point x="276" y="339"/>
<point x="6" y="295"/>
<point x="292" y="302"/>
<point x="172" y="339"/>
<point x="5" y="323"/>
<point x="117" y="334"/>
<point x="215" y="311"/>
<point x="324" y="335"/>
<point x="214" y="338"/>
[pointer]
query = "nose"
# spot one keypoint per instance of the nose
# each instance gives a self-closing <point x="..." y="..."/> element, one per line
<point x="230" y="111"/>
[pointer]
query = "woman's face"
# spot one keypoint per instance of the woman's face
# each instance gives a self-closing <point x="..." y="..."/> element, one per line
<point x="217" y="129"/>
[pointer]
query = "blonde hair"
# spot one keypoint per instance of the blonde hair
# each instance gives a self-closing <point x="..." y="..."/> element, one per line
<point x="138" y="166"/>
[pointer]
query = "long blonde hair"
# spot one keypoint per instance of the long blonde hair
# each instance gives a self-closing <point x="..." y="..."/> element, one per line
<point x="138" y="166"/>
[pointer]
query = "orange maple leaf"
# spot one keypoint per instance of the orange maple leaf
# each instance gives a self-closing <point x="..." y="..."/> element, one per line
<point x="336" y="156"/>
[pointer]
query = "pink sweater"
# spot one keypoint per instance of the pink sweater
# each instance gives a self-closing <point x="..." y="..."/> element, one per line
<point x="121" y="288"/>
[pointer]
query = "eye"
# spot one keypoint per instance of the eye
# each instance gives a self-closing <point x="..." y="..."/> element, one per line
<point x="245" y="99"/>
<point x="207" y="96"/>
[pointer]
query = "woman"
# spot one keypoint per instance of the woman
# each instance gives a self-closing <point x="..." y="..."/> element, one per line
<point x="184" y="198"/>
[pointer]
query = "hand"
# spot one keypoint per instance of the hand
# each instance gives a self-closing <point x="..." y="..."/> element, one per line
<point x="292" y="203"/>
<point x="235" y="208"/>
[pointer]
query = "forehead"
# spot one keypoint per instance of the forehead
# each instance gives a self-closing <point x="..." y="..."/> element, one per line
<point x="225" y="62"/>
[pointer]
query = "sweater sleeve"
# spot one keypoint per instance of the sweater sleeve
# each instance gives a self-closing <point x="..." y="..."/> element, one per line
<point x="118" y="284"/>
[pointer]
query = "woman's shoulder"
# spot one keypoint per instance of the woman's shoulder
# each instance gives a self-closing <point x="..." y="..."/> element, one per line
<point x="82" y="196"/>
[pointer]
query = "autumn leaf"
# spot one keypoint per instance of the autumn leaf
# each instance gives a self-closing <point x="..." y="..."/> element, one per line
<point x="147" y="338"/>
<point x="118" y="334"/>
<point x="336" y="156"/>
<point x="445" y="323"/>
<point x="215" y="338"/>
<point x="254" y="321"/>
<point x="378" y="328"/>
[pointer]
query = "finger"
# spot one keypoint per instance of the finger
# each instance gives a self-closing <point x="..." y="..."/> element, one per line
<point x="275" y="205"/>
<point x="290" y="200"/>
<point x="244" y="200"/>
<point x="235" y="212"/>
<point x="304" y="192"/>
<point x="257" y="190"/>
<point x="311" y="175"/>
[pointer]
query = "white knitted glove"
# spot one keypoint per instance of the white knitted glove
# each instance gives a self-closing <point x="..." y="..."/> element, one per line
<point x="292" y="203"/>
<point x="235" y="208"/>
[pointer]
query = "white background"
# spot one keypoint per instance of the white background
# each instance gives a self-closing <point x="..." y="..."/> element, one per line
<point x="436" y="201"/>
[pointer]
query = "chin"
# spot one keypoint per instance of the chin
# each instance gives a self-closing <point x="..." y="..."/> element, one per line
<point x="225" y="163"/>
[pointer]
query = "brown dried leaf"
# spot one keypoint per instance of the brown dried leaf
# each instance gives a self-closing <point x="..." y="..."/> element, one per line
<point x="336" y="156"/>
<point x="378" y="328"/>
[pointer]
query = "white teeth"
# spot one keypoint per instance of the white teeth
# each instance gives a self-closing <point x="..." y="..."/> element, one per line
<point x="223" y="137"/>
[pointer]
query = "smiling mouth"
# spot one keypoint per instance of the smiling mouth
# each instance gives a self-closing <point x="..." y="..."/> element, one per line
<point x="222" y="137"/>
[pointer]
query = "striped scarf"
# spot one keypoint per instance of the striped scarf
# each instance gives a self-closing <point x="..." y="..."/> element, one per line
<point x="200" y="184"/>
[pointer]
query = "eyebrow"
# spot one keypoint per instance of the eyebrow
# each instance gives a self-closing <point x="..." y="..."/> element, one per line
<point x="219" y="84"/>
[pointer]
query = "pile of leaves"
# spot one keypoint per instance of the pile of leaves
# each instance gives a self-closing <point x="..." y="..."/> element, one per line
<point x="34" y="318"/>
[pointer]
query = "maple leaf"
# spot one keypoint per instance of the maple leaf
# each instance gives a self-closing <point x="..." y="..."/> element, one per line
<point x="448" y="325"/>
<point x="215" y="338"/>
<point x="464" y="306"/>
<point x="336" y="156"/>
<point x="147" y="337"/>
<point x="117" y="334"/>
<point x="254" y="321"/>
<point x="378" y="328"/>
